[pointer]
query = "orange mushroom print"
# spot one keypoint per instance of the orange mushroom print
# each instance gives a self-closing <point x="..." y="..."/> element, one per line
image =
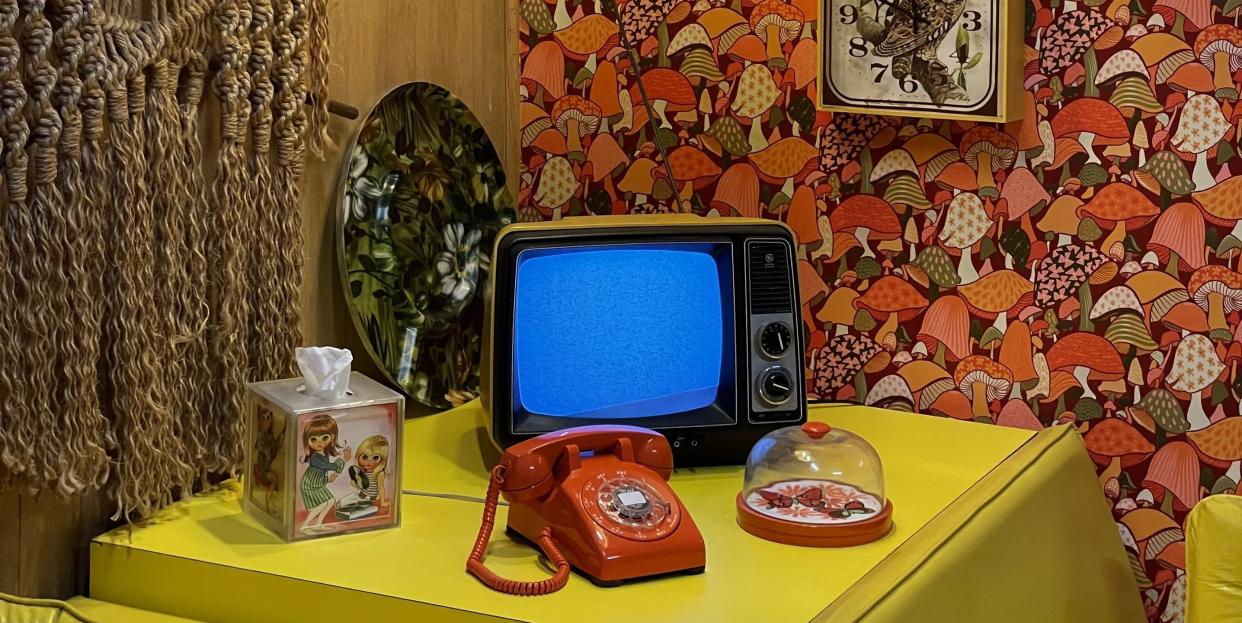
<point x="1081" y="265"/>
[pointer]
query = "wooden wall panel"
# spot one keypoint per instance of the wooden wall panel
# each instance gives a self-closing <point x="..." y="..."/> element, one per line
<point x="462" y="45"/>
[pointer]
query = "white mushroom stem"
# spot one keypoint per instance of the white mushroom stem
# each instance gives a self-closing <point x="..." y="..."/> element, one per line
<point x="1086" y="139"/>
<point x="861" y="234"/>
<point x="1201" y="176"/>
<point x="1235" y="472"/>
<point x="1063" y="239"/>
<point x="966" y="267"/>
<point x="1067" y="6"/>
<point x="1021" y="162"/>
<point x="1002" y="322"/>
<point x="658" y="106"/>
<point x="1080" y="373"/>
<point x="1142" y="156"/>
<point x="1137" y="397"/>
<point x="788" y="188"/>
<point x="757" y="140"/>
<point x="841" y="329"/>
<point x="561" y="15"/>
<point x="1195" y="414"/>
<point x="590" y="65"/>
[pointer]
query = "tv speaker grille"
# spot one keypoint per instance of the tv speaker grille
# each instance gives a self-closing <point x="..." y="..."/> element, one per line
<point x="769" y="278"/>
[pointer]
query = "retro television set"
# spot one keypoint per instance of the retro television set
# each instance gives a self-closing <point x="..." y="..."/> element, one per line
<point x="685" y="325"/>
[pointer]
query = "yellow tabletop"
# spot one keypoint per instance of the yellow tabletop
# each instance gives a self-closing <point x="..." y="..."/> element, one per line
<point x="417" y="570"/>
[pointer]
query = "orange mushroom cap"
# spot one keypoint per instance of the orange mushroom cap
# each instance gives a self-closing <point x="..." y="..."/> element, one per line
<point x="976" y="368"/>
<point x="1191" y="77"/>
<point x="1175" y="468"/>
<point x="1086" y="350"/>
<point x="982" y="138"/>
<point x="998" y="291"/>
<point x="738" y="191"/>
<point x="867" y="211"/>
<point x="668" y="85"/>
<point x="749" y="48"/>
<point x="952" y="403"/>
<point x="811" y="284"/>
<point x="948" y="322"/>
<point x="1180" y="229"/>
<point x="545" y="66"/>
<point x="1229" y="284"/>
<point x="1114" y="438"/>
<point x="691" y="165"/>
<point x="605" y="157"/>
<point x="1119" y="201"/>
<point x="1015" y="352"/>
<point x="1097" y="116"/>
<point x="891" y="295"/>
<point x="604" y="89"/>
<point x="803" y="216"/>
<point x="784" y="159"/>
<point x="1186" y="316"/>
<point x="587" y="36"/>
<point x="958" y="175"/>
<point x="776" y="12"/>
<point x="1222" y="203"/>
<point x="1022" y="193"/>
<point x="1221" y="441"/>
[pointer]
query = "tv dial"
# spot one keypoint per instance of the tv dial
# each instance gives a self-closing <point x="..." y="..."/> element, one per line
<point x="775" y="339"/>
<point x="776" y="385"/>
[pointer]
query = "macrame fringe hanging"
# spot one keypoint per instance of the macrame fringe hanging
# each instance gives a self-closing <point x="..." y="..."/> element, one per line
<point x="146" y="272"/>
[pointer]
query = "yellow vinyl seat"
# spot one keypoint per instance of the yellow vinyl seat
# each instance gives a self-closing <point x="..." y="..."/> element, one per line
<point x="1214" y="561"/>
<point x="77" y="610"/>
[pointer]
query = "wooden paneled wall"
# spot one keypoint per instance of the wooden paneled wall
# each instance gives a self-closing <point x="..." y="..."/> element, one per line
<point x="463" y="45"/>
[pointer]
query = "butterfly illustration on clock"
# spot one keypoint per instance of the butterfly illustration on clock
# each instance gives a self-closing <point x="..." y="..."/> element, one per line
<point x="927" y="58"/>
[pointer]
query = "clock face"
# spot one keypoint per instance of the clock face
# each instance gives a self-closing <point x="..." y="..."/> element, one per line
<point x="912" y="55"/>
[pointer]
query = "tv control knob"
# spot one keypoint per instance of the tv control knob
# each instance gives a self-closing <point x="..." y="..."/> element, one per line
<point x="776" y="386"/>
<point x="775" y="339"/>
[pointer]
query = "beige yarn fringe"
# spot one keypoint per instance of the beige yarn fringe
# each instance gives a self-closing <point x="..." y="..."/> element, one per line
<point x="147" y="274"/>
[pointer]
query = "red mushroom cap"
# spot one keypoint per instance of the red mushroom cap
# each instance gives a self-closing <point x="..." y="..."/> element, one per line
<point x="892" y="295"/>
<point x="1087" y="350"/>
<point x="1097" y="116"/>
<point x="867" y="211"/>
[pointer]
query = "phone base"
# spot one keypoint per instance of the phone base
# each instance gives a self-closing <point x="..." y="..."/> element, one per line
<point x="517" y="536"/>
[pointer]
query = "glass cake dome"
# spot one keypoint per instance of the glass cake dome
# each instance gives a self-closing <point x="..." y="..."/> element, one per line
<point x="814" y="485"/>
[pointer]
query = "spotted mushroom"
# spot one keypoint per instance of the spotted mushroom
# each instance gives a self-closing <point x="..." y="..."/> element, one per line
<point x="891" y="392"/>
<point x="1065" y="270"/>
<point x="776" y="22"/>
<point x="1124" y="208"/>
<point x="841" y="360"/>
<point x="1219" y="48"/>
<point x="557" y="184"/>
<point x="755" y="94"/>
<point x="1195" y="367"/>
<point x="982" y="381"/>
<point x="575" y="118"/>
<point x="966" y="222"/>
<point x="1222" y="443"/>
<point x="1199" y="129"/>
<point x="1165" y="174"/>
<point x="1070" y="38"/>
<point x="1218" y="291"/>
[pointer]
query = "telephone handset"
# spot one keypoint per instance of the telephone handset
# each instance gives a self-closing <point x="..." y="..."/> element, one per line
<point x="594" y="498"/>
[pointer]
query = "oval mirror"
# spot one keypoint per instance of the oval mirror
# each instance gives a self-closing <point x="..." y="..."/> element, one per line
<point x="422" y="199"/>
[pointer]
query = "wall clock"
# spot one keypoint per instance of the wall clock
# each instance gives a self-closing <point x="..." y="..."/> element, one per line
<point x="949" y="59"/>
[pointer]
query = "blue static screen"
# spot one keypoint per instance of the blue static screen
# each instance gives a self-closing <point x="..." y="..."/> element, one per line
<point x="624" y="331"/>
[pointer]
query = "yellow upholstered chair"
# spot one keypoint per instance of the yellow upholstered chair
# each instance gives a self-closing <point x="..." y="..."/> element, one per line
<point x="1214" y="560"/>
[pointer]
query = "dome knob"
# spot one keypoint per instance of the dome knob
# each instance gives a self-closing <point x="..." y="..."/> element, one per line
<point x="816" y="430"/>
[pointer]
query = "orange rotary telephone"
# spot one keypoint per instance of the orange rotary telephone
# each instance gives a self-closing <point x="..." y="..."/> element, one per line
<point x="593" y="497"/>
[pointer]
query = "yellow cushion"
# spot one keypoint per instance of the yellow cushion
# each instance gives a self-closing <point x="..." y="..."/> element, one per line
<point x="77" y="610"/>
<point x="1214" y="560"/>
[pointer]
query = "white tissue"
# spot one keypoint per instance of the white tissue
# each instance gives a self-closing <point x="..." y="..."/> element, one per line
<point x="325" y="371"/>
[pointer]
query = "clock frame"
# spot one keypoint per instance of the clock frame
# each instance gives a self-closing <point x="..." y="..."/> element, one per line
<point x="991" y="96"/>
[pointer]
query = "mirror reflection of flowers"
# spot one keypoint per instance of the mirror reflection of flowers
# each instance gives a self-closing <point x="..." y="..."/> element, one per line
<point x="458" y="265"/>
<point x="361" y="191"/>
<point x="431" y="177"/>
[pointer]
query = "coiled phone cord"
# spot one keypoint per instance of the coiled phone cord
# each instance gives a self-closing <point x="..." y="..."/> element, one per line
<point x="475" y="566"/>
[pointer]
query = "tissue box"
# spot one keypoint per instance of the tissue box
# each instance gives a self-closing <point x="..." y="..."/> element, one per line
<point x="318" y="467"/>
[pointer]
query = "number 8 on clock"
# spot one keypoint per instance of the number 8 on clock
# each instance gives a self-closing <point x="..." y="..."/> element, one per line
<point x="952" y="59"/>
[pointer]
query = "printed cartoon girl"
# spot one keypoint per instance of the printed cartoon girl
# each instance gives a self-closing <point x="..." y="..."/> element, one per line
<point x="372" y="461"/>
<point x="319" y="440"/>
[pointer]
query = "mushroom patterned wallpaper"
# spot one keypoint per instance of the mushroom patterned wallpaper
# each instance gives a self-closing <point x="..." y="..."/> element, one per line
<point x="1079" y="266"/>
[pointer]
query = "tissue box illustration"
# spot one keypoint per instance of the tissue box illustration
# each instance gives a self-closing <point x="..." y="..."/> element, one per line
<point x="317" y="465"/>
